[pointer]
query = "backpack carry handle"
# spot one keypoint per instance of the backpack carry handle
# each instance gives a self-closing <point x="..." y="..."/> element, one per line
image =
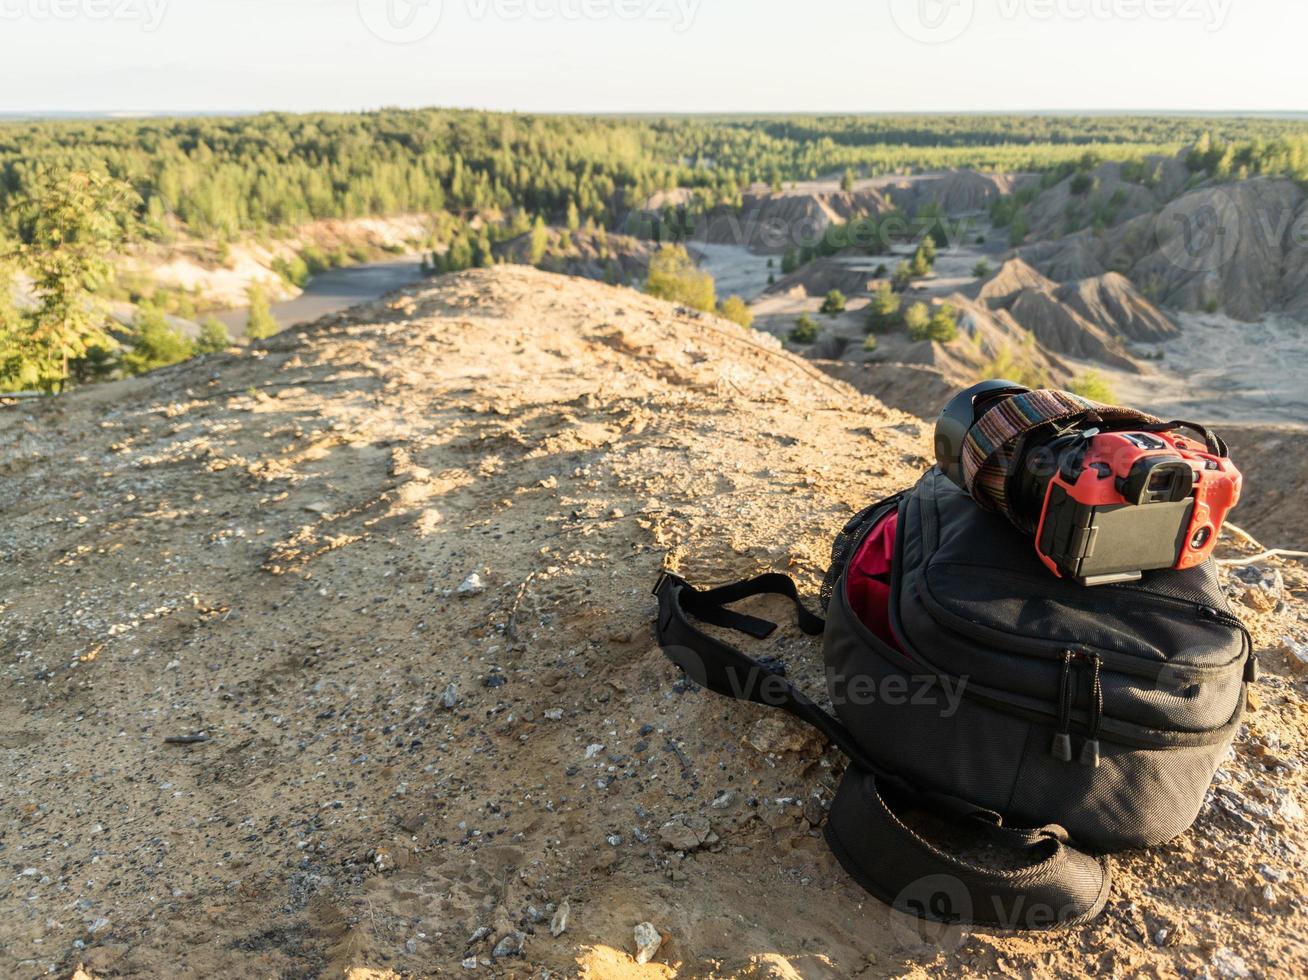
<point x="1053" y="885"/>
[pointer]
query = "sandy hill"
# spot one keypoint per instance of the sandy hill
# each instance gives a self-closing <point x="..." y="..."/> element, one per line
<point x="1090" y="318"/>
<point x="1110" y="196"/>
<point x="852" y="276"/>
<point x="396" y="568"/>
<point x="1237" y="247"/>
<point x="770" y="221"/>
<point x="956" y="191"/>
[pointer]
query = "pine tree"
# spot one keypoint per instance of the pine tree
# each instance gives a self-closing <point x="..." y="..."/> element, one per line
<point x="68" y="233"/>
<point x="883" y="311"/>
<point x="917" y="319"/>
<point x="262" y="324"/>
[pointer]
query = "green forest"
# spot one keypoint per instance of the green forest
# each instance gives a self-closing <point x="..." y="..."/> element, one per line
<point x="218" y="178"/>
<point x="75" y="194"/>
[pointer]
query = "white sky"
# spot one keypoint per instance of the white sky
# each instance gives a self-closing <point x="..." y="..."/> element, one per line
<point x="653" y="55"/>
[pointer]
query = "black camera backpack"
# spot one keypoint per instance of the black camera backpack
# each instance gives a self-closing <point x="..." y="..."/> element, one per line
<point x="1090" y="719"/>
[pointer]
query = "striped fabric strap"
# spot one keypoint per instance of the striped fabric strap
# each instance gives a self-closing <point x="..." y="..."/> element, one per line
<point x="991" y="444"/>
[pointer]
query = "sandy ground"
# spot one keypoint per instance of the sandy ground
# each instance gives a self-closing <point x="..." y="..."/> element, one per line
<point x="405" y="768"/>
<point x="1227" y="370"/>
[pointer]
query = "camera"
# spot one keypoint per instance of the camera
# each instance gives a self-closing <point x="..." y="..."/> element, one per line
<point x="1106" y="492"/>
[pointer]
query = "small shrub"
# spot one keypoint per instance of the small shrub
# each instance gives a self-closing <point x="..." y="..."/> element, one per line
<point x="1093" y="386"/>
<point x="675" y="277"/>
<point x="917" y="319"/>
<point x="943" y="327"/>
<point x="214" y="337"/>
<point x="834" y="303"/>
<point x="155" y="343"/>
<point x="736" y="309"/>
<point x="261" y="324"/>
<point x="805" y="330"/>
<point x="981" y="269"/>
<point x="883" y="311"/>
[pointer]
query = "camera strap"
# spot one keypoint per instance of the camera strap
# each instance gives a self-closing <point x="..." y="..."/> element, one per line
<point x="992" y="444"/>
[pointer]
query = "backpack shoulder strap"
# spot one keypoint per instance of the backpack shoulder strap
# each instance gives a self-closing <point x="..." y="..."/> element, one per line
<point x="1051" y="884"/>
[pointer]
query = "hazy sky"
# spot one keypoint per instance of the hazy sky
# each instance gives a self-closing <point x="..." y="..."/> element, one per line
<point x="653" y="55"/>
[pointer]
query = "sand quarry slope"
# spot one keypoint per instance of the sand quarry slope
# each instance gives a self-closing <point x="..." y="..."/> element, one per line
<point x="269" y="548"/>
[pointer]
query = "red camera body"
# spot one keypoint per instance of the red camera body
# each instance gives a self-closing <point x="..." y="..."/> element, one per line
<point x="1120" y="503"/>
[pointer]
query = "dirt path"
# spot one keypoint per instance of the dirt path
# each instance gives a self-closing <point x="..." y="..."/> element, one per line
<point x="395" y="568"/>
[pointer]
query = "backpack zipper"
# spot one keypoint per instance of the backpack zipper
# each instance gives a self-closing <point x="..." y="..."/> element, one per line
<point x="1090" y="748"/>
<point x="1061" y="749"/>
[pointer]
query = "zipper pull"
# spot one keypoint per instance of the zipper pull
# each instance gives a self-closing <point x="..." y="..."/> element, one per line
<point x="1090" y="748"/>
<point x="1062" y="746"/>
<point x="1090" y="753"/>
<point x="1252" y="669"/>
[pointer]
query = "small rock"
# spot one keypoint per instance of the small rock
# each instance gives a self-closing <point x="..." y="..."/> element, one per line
<point x="1260" y="599"/>
<point x="648" y="941"/>
<point x="773" y="735"/>
<point x="470" y="963"/>
<point x="1228" y="964"/>
<point x="685" y="833"/>
<point x="813" y="810"/>
<point x="593" y="750"/>
<point x="450" y="696"/>
<point x="1295" y="651"/>
<point x="1276" y="875"/>
<point x="495" y="680"/>
<point x="472" y="585"/>
<point x="510" y="945"/>
<point x="723" y="800"/>
<point x="481" y="933"/>
<point x="318" y="507"/>
<point x="554" y="714"/>
<point x="559" y="924"/>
